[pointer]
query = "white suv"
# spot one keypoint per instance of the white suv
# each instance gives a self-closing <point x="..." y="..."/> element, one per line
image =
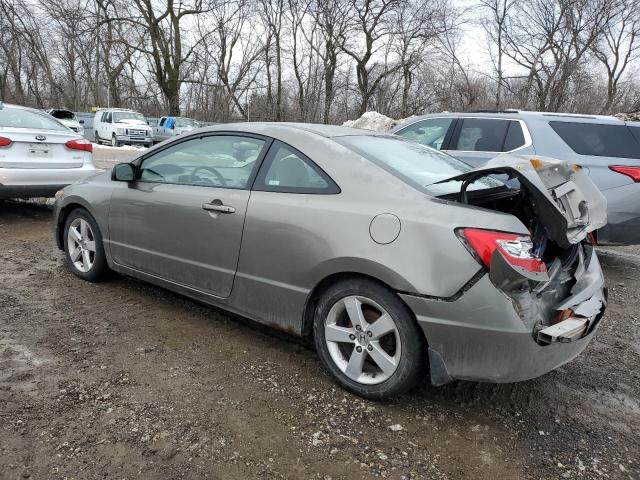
<point x="119" y="126"/>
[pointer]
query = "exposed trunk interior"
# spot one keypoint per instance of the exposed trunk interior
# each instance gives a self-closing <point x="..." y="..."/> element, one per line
<point x="518" y="202"/>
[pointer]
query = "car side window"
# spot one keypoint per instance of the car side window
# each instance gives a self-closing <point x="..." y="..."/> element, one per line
<point x="162" y="121"/>
<point x="287" y="170"/>
<point x="515" y="137"/>
<point x="599" y="140"/>
<point x="108" y="120"/>
<point x="480" y="135"/>
<point x="430" y="132"/>
<point x="226" y="161"/>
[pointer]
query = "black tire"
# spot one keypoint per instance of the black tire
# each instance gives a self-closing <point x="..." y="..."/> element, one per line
<point x="148" y="145"/>
<point x="97" y="138"/>
<point x="99" y="269"/>
<point x="114" y="141"/>
<point x="412" y="364"/>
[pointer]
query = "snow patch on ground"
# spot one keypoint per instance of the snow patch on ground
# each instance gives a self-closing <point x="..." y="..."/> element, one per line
<point x="372" y="121"/>
<point x="135" y="148"/>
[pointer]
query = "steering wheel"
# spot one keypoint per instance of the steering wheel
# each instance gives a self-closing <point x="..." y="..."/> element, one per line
<point x="217" y="174"/>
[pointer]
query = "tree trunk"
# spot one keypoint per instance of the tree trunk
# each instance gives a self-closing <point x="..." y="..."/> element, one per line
<point x="328" y="92"/>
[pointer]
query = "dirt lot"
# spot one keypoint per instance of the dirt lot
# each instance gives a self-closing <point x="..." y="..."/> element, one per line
<point x="123" y="380"/>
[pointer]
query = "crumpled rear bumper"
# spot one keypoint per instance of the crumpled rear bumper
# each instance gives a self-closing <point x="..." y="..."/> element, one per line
<point x="480" y="336"/>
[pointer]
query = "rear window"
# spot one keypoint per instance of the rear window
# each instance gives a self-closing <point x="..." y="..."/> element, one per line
<point x="419" y="166"/>
<point x="21" y="118"/>
<point x="598" y="140"/>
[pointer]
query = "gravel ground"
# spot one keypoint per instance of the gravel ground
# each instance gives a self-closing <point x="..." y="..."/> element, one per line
<point x="122" y="380"/>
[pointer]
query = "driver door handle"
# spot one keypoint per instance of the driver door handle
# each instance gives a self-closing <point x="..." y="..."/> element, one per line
<point x="217" y="207"/>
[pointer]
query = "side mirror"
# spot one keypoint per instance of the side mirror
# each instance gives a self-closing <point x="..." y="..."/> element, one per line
<point x="123" y="172"/>
<point x="81" y="122"/>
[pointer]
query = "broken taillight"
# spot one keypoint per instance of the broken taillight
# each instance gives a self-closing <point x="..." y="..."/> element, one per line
<point x="515" y="247"/>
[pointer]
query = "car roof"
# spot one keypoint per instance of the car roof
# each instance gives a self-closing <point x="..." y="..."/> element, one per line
<point x="22" y="107"/>
<point x="13" y="105"/>
<point x="272" y="129"/>
<point x="523" y="114"/>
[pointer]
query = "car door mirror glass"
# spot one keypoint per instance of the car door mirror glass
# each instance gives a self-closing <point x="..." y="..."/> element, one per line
<point x="123" y="172"/>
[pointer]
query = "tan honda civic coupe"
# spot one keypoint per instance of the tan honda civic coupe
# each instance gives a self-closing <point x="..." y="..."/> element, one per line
<point x="397" y="261"/>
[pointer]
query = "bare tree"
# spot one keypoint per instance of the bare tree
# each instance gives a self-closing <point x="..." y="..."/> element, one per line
<point x="494" y="22"/>
<point x="318" y="60"/>
<point x="165" y="30"/>
<point x="416" y="26"/>
<point x="618" y="46"/>
<point x="12" y="51"/>
<point x="273" y="12"/>
<point x="370" y="29"/>
<point x="235" y="52"/>
<point x="333" y="24"/>
<point x="551" y="40"/>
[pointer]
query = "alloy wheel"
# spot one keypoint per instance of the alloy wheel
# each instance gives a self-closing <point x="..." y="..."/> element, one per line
<point x="362" y="339"/>
<point x="81" y="244"/>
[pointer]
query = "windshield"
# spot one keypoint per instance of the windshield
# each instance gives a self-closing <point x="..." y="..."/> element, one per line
<point x="186" y="122"/>
<point x="119" y="116"/>
<point x="22" y="118"/>
<point x="418" y="165"/>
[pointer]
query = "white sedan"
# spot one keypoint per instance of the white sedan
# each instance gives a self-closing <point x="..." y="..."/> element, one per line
<point x="38" y="154"/>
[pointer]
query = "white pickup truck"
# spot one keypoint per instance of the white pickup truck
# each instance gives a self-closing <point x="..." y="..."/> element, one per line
<point x="171" y="126"/>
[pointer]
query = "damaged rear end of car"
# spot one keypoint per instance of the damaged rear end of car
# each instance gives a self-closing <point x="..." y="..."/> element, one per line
<point x="539" y="296"/>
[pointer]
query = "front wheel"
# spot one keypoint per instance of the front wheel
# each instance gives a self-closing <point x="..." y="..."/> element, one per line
<point x="83" y="246"/>
<point x="368" y="339"/>
<point x="114" y="141"/>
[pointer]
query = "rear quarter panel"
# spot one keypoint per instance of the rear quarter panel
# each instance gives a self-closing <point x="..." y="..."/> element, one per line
<point x="293" y="241"/>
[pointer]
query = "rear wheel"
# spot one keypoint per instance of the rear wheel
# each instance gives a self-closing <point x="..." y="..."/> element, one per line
<point x="368" y="339"/>
<point x="97" y="138"/>
<point x="83" y="246"/>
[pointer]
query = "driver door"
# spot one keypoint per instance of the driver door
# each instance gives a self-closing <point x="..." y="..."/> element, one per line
<point x="182" y="218"/>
